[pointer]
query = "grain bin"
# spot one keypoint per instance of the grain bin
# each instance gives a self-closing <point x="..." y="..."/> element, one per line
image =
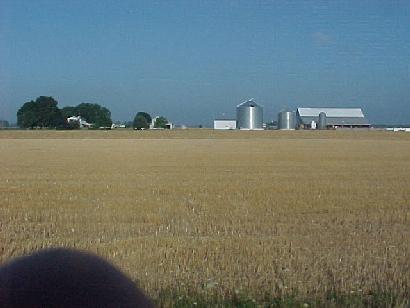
<point x="286" y="120"/>
<point x="322" y="124"/>
<point x="249" y="116"/>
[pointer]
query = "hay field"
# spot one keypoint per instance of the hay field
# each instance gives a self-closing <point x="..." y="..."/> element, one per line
<point x="254" y="216"/>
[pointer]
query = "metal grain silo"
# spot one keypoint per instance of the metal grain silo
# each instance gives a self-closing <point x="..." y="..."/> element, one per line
<point x="286" y="120"/>
<point x="322" y="124"/>
<point x="249" y="115"/>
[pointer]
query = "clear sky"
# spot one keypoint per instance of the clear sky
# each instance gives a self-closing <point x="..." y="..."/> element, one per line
<point x="192" y="61"/>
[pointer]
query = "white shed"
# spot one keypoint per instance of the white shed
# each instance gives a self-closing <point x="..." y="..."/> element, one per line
<point x="224" y="124"/>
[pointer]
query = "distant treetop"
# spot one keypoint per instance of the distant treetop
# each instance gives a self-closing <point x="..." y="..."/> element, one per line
<point x="161" y="122"/>
<point x="42" y="113"/>
<point x="142" y="120"/>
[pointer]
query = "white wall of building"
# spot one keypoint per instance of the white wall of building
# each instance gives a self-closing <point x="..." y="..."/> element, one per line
<point x="224" y="124"/>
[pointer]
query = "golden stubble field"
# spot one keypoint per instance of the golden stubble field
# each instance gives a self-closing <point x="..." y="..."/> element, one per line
<point x="217" y="213"/>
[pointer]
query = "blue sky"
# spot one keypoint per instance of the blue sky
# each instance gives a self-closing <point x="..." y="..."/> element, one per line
<point x="192" y="61"/>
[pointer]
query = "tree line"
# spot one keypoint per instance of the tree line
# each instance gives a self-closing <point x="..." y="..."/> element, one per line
<point x="44" y="113"/>
<point x="4" y="124"/>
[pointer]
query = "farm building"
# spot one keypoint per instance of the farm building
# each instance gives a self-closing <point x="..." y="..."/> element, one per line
<point x="398" y="129"/>
<point x="224" y="124"/>
<point x="331" y="118"/>
<point x="168" y="125"/>
<point x="249" y="116"/>
<point x="286" y="120"/>
<point x="82" y="123"/>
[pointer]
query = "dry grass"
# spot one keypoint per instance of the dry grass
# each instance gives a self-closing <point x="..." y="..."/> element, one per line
<point x="217" y="213"/>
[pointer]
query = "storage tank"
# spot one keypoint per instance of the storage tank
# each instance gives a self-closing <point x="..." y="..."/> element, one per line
<point x="286" y="120"/>
<point x="249" y="115"/>
<point x="322" y="124"/>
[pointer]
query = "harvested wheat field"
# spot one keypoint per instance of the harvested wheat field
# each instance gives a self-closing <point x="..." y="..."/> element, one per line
<point x="208" y="218"/>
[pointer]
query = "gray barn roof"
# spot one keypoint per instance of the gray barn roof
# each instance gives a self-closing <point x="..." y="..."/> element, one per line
<point x="334" y="116"/>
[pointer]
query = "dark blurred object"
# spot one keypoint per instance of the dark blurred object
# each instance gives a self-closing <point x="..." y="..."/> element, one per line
<point x="66" y="278"/>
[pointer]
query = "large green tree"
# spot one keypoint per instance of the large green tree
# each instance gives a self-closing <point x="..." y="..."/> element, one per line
<point x="161" y="122"/>
<point x="142" y="120"/>
<point x="92" y="113"/>
<point x="43" y="112"/>
<point x="96" y="114"/>
<point x="69" y="111"/>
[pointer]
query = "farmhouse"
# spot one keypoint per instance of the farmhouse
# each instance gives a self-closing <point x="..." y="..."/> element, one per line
<point x="81" y="122"/>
